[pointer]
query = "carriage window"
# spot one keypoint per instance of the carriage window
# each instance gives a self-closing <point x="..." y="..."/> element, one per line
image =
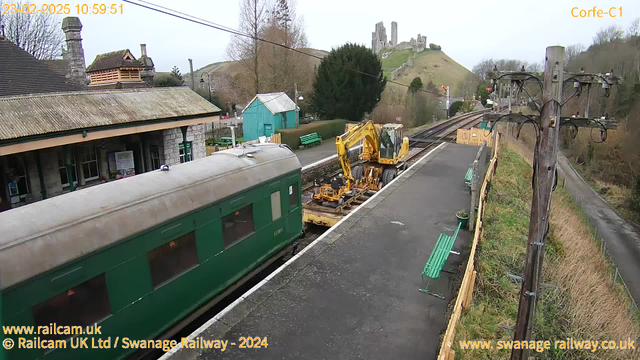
<point x="82" y="305"/>
<point x="276" y="208"/>
<point x="173" y="258"/>
<point x="293" y="195"/>
<point x="237" y="225"/>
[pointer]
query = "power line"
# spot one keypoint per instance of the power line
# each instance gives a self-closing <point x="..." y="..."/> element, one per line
<point x="196" y="20"/>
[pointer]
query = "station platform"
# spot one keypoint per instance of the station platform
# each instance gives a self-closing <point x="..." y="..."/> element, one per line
<point x="353" y="292"/>
<point x="316" y="153"/>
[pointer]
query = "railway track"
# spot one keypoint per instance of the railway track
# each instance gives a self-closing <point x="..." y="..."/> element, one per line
<point x="422" y="141"/>
<point x="437" y="133"/>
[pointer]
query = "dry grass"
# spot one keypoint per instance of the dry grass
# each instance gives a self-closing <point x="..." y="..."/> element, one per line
<point x="586" y="304"/>
<point x="598" y="309"/>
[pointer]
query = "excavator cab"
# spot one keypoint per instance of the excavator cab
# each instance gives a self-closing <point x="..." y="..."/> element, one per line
<point x="388" y="142"/>
<point x="392" y="144"/>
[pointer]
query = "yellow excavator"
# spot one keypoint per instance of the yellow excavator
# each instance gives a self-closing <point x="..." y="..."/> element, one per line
<point x="383" y="152"/>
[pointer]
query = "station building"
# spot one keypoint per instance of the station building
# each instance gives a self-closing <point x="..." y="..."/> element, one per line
<point x="60" y="134"/>
<point x="267" y="113"/>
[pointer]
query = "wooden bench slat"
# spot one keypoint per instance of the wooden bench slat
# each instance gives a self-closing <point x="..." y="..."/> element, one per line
<point x="440" y="254"/>
<point x="310" y="138"/>
<point x="469" y="176"/>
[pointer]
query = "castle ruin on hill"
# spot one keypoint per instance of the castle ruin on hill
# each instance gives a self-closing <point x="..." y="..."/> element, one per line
<point x="379" y="40"/>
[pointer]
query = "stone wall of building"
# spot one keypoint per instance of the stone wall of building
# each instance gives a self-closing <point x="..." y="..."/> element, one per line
<point x="173" y="139"/>
<point x="74" y="55"/>
<point x="167" y="141"/>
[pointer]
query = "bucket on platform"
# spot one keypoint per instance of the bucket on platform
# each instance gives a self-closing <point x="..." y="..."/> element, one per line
<point x="463" y="218"/>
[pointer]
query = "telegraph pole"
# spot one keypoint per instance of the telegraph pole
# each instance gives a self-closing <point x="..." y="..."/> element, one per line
<point x="295" y="95"/>
<point x="547" y="127"/>
<point x="544" y="183"/>
<point x="193" y="83"/>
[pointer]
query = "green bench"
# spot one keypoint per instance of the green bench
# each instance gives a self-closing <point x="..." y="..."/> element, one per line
<point x="468" y="177"/>
<point x="437" y="259"/>
<point x="310" y="139"/>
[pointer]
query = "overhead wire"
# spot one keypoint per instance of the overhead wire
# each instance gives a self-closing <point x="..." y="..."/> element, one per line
<point x="187" y="17"/>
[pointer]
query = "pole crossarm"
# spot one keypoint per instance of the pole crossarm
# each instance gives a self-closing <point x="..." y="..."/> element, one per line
<point x="596" y="123"/>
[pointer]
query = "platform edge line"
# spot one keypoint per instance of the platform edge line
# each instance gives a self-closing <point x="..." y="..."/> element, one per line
<point x="229" y="307"/>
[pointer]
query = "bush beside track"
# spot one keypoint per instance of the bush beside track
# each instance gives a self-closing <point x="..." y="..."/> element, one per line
<point x="327" y="129"/>
<point x="584" y="305"/>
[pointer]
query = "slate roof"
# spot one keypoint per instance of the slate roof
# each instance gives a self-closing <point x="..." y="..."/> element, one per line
<point x="113" y="60"/>
<point x="276" y="102"/>
<point x="59" y="66"/>
<point x="21" y="73"/>
<point x="24" y="116"/>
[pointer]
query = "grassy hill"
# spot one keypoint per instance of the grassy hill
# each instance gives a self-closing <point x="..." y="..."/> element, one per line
<point x="428" y="65"/>
<point x="231" y="68"/>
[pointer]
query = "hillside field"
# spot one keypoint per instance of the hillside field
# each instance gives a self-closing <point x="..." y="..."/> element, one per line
<point x="429" y="65"/>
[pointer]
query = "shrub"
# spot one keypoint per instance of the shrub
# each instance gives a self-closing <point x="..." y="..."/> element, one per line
<point x="327" y="129"/>
<point x="453" y="109"/>
<point x="433" y="46"/>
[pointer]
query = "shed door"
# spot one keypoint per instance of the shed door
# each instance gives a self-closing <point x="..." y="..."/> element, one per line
<point x="268" y="130"/>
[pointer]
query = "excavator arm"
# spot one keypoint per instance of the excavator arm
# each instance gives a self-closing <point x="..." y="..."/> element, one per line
<point x="366" y="132"/>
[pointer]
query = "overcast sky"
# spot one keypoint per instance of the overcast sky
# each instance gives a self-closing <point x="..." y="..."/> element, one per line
<point x="468" y="31"/>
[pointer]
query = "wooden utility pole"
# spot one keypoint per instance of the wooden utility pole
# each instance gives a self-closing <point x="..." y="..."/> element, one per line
<point x="547" y="127"/>
<point x="543" y="184"/>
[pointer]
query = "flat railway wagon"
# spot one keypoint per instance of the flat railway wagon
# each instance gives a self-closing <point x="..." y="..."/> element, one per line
<point x="138" y="255"/>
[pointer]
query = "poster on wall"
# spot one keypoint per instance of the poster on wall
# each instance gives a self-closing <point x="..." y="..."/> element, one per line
<point x="121" y="164"/>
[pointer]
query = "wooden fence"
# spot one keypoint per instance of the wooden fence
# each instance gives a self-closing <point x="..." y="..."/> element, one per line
<point x="463" y="301"/>
<point x="474" y="136"/>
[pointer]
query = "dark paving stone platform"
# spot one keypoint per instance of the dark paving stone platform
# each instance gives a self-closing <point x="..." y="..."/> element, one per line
<point x="353" y="293"/>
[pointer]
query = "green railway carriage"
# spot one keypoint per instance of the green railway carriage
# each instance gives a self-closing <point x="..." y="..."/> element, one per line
<point x="139" y="254"/>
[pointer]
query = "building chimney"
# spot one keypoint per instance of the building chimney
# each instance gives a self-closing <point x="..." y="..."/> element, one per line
<point x="149" y="70"/>
<point x="74" y="56"/>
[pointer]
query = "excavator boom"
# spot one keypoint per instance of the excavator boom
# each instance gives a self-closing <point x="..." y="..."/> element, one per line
<point x="366" y="132"/>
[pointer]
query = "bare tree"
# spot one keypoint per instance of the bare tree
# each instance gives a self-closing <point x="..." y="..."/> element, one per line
<point x="469" y="85"/>
<point x="571" y="53"/>
<point x="39" y="35"/>
<point x="483" y="68"/>
<point x="246" y="50"/>
<point x="611" y="34"/>
<point x="634" y="28"/>
<point x="284" y="67"/>
<point x="535" y="67"/>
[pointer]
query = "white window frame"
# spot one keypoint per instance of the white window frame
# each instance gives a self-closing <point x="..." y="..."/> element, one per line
<point x="188" y="150"/>
<point x="91" y="151"/>
<point x="64" y="166"/>
<point x="154" y="159"/>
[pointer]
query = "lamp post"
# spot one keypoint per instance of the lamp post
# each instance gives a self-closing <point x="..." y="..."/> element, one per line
<point x="297" y="97"/>
<point x="208" y="83"/>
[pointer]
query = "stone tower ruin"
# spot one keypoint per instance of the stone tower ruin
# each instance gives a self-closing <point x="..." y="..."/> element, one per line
<point x="379" y="38"/>
<point x="394" y="33"/>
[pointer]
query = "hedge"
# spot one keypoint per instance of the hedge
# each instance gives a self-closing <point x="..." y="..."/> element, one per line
<point x="327" y="129"/>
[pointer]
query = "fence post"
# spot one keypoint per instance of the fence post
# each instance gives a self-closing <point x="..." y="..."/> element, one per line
<point x="615" y="276"/>
<point x="474" y="195"/>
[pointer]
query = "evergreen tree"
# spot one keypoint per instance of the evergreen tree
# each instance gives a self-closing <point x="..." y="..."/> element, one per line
<point x="173" y="79"/>
<point x="416" y="84"/>
<point x="341" y="92"/>
<point x="175" y="72"/>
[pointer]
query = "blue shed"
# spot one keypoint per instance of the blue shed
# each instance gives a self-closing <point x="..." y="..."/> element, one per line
<point x="266" y="114"/>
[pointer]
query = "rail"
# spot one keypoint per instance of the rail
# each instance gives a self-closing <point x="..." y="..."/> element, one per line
<point x="463" y="300"/>
<point x="448" y="129"/>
